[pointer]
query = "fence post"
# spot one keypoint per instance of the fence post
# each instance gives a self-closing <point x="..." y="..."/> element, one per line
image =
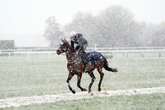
<point x="95" y="48"/>
<point x="9" y="54"/>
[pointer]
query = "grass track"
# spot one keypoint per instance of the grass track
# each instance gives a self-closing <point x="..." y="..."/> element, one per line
<point x="46" y="74"/>
<point x="22" y="101"/>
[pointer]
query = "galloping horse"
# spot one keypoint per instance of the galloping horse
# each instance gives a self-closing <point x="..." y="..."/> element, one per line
<point x="75" y="65"/>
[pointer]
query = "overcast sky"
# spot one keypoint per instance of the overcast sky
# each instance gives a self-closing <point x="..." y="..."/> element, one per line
<point x="27" y="17"/>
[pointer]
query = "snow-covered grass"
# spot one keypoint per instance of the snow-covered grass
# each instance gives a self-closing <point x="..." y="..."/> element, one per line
<point x="67" y="97"/>
<point x="136" y="102"/>
<point x="46" y="74"/>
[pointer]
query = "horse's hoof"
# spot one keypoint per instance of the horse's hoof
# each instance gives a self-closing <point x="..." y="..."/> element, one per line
<point x="91" y="94"/>
<point x="89" y="91"/>
<point x="84" y="89"/>
<point x="99" y="89"/>
<point x="115" y="70"/>
<point x="73" y="91"/>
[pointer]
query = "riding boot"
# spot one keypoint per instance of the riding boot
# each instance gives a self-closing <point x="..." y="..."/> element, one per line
<point x="84" y="60"/>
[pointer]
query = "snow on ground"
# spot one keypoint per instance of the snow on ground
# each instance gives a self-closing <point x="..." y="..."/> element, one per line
<point x="22" y="101"/>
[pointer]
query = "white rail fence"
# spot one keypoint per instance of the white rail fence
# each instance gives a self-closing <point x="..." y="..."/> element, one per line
<point x="124" y="52"/>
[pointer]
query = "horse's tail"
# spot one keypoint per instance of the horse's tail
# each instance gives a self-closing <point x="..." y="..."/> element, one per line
<point x="106" y="67"/>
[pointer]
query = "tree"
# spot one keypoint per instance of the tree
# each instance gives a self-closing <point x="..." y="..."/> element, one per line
<point x="83" y="23"/>
<point x="118" y="28"/>
<point x="114" y="26"/>
<point x="158" y="37"/>
<point x="153" y="35"/>
<point x="52" y="32"/>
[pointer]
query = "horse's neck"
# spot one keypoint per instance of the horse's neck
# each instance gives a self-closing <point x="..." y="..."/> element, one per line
<point x="71" y="56"/>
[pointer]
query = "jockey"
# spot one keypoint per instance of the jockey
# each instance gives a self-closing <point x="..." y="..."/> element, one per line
<point x="79" y="43"/>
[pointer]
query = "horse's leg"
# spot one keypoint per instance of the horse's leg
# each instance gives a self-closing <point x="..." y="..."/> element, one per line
<point x="101" y="78"/>
<point x="68" y="79"/>
<point x="92" y="81"/>
<point x="79" y="82"/>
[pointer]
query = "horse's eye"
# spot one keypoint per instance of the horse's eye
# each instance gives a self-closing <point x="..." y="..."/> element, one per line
<point x="61" y="45"/>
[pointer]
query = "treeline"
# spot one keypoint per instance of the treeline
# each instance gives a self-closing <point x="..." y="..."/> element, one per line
<point x="113" y="27"/>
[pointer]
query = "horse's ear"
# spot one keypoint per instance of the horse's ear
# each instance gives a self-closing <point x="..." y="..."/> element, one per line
<point x="64" y="40"/>
<point x="61" y="41"/>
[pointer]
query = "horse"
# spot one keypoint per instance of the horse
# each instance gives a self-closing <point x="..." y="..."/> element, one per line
<point x="75" y="65"/>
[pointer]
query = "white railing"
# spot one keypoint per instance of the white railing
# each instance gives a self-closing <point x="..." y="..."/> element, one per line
<point x="158" y="51"/>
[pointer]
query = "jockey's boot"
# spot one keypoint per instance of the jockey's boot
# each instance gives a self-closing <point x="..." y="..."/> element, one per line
<point x="85" y="68"/>
<point x="84" y="60"/>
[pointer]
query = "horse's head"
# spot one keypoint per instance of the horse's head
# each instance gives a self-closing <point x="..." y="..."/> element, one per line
<point x="63" y="47"/>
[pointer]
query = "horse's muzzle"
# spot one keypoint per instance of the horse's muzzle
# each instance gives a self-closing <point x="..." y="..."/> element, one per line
<point x="58" y="52"/>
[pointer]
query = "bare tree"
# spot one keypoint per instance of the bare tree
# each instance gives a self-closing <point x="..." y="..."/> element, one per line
<point x="114" y="26"/>
<point x="85" y="24"/>
<point x="118" y="28"/>
<point x="158" y="37"/>
<point x="52" y="32"/>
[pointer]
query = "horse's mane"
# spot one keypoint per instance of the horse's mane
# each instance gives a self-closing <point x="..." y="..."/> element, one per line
<point x="67" y="44"/>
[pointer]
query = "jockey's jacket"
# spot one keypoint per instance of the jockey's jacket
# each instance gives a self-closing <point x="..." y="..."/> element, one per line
<point x="80" y="42"/>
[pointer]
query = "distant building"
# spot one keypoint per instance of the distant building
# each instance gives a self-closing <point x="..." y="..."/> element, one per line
<point x="7" y="44"/>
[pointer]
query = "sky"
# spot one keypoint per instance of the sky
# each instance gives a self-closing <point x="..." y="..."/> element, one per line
<point x="24" y="20"/>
